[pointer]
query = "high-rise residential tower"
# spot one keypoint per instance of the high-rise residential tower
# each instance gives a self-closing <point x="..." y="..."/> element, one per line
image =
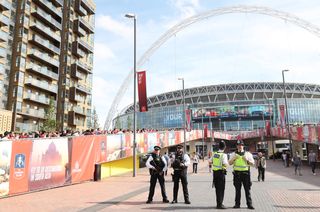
<point x="52" y="58"/>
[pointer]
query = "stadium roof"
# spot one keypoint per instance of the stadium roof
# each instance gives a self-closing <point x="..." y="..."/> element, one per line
<point x="232" y="92"/>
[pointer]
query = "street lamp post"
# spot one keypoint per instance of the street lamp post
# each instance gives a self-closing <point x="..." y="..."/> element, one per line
<point x="202" y="131"/>
<point x="287" y="117"/>
<point x="184" y="116"/>
<point x="133" y="16"/>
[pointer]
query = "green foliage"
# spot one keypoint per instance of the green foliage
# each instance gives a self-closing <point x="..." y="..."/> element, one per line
<point x="50" y="124"/>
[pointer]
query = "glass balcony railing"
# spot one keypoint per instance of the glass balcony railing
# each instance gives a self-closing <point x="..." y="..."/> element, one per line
<point x="27" y="127"/>
<point x="58" y="3"/>
<point x="44" y="57"/>
<point x="5" y="4"/>
<point x="3" y="52"/>
<point x="84" y="66"/>
<point x="43" y="70"/>
<point x="46" y="44"/>
<point x="37" y="98"/>
<point x="47" y="17"/>
<point x="46" y="30"/>
<point x="43" y="85"/>
<point x="2" y="69"/>
<point x="3" y="35"/>
<point x="84" y="88"/>
<point x="86" y="24"/>
<point x="33" y="112"/>
<point x="4" y="20"/>
<point x="79" y="110"/>
<point x="89" y="6"/>
<point x="51" y="7"/>
<point x="86" y="45"/>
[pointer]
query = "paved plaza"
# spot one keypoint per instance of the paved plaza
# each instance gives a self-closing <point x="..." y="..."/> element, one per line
<point x="281" y="191"/>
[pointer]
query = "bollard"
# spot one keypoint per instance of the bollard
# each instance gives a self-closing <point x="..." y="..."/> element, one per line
<point x="97" y="172"/>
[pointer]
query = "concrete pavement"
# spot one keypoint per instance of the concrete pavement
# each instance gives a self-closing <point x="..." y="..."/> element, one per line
<point x="281" y="191"/>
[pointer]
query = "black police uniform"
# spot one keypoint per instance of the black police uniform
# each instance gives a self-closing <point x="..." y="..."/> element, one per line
<point x="157" y="174"/>
<point x="180" y="172"/>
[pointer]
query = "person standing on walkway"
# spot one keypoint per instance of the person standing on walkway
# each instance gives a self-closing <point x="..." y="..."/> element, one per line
<point x="219" y="165"/>
<point x="261" y="166"/>
<point x="241" y="161"/>
<point x="157" y="166"/>
<point x="180" y="166"/>
<point x="313" y="161"/>
<point x="296" y="160"/>
<point x="284" y="158"/>
<point x="195" y="161"/>
<point x="166" y="157"/>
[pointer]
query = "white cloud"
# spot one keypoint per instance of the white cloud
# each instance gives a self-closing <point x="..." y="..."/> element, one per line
<point x="107" y="23"/>
<point x="102" y="52"/>
<point x="187" y="8"/>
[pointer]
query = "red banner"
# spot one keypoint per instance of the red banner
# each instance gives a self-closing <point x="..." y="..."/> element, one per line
<point x="205" y="131"/>
<point x="100" y="148"/>
<point x="188" y="120"/>
<point x="20" y="158"/>
<point x="82" y="162"/>
<point x="142" y="91"/>
<point x="268" y="128"/>
<point x="282" y="118"/>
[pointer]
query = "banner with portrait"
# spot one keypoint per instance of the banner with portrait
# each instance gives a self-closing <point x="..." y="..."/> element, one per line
<point x="5" y="158"/>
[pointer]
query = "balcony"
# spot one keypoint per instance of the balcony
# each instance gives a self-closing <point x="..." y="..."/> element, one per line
<point x="37" y="98"/>
<point x="45" y="31"/>
<point x="5" y="5"/>
<point x="77" y="29"/>
<point x="50" y="8"/>
<point x="78" y="110"/>
<point x="3" y="52"/>
<point x="57" y="3"/>
<point x="83" y="89"/>
<point x="42" y="85"/>
<point x="83" y="67"/>
<point x="73" y="121"/>
<point x="27" y="127"/>
<point x="43" y="71"/>
<point x="4" y="20"/>
<point x="4" y="36"/>
<point x="48" y="19"/>
<point x="79" y="9"/>
<point x="44" y="58"/>
<point x="73" y="96"/>
<point x="76" y="51"/>
<point x="32" y="112"/>
<point x="85" y="45"/>
<point x="75" y="73"/>
<point x="2" y="69"/>
<point x="89" y="7"/>
<point x="44" y="44"/>
<point x="86" y="25"/>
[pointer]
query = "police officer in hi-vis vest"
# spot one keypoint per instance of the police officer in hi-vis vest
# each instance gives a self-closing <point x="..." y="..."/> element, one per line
<point x="157" y="166"/>
<point x="180" y="166"/>
<point x="219" y="165"/>
<point x="242" y="160"/>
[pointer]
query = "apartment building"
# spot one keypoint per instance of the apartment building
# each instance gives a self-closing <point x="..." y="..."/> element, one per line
<point x="52" y="61"/>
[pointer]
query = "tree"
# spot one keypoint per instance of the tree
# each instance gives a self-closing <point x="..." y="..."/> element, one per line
<point x="49" y="123"/>
<point x="95" y="117"/>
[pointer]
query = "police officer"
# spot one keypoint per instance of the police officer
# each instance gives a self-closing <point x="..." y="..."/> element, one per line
<point x="241" y="161"/>
<point x="180" y="165"/>
<point x="219" y="165"/>
<point x="157" y="166"/>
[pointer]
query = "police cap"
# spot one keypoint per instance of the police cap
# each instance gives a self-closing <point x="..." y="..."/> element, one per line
<point x="156" y="148"/>
<point x="240" y="142"/>
<point x="179" y="146"/>
<point x="222" y="144"/>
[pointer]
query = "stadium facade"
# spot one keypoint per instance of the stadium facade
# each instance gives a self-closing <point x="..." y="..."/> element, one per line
<point x="239" y="106"/>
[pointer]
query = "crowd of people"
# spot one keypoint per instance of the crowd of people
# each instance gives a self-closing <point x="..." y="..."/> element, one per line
<point x="68" y="133"/>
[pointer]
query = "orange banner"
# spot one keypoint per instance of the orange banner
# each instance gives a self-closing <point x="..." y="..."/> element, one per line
<point x="19" y="167"/>
<point x="100" y="148"/>
<point x="82" y="162"/>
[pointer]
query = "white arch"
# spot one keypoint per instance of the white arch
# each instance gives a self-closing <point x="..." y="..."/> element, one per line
<point x="205" y="15"/>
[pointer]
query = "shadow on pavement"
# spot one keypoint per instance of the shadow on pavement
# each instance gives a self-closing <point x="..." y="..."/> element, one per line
<point x="296" y="207"/>
<point x="184" y="208"/>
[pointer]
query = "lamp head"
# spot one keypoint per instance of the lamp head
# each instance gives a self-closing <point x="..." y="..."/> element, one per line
<point x="130" y="15"/>
<point x="180" y="78"/>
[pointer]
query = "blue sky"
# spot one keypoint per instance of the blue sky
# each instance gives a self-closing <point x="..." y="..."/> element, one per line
<point x="228" y="48"/>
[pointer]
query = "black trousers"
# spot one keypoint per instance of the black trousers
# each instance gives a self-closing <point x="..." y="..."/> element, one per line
<point x="261" y="171"/>
<point x="242" y="178"/>
<point x="195" y="167"/>
<point x="220" y="184"/>
<point x="313" y="166"/>
<point x="153" y="180"/>
<point x="180" y="174"/>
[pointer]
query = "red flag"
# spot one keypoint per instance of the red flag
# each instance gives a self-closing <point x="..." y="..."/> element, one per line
<point x="188" y="120"/>
<point x="205" y="128"/>
<point x="142" y="91"/>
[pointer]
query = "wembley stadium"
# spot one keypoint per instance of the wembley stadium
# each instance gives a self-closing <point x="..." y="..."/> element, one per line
<point x="226" y="107"/>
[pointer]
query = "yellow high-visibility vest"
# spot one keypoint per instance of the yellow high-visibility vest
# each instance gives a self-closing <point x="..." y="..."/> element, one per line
<point x="240" y="164"/>
<point x="217" y="161"/>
